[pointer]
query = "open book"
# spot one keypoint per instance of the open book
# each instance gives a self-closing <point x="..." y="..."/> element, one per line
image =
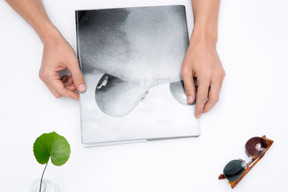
<point x="131" y="60"/>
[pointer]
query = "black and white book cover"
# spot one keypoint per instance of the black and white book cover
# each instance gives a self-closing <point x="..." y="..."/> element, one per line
<point x="131" y="60"/>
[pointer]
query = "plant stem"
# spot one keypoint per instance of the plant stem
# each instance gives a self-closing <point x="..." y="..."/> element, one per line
<point x="42" y="176"/>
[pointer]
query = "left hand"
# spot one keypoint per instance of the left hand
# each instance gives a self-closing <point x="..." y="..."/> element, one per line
<point x="202" y="62"/>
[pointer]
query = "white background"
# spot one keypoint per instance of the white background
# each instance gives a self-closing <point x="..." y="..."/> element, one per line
<point x="253" y="47"/>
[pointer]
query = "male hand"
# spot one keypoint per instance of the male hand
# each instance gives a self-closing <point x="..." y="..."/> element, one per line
<point x="59" y="55"/>
<point x="202" y="62"/>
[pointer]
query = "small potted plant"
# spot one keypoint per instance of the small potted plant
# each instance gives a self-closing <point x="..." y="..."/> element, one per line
<point x="50" y="145"/>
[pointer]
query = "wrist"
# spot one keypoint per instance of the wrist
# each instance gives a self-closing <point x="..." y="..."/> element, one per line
<point x="204" y="35"/>
<point x="49" y="33"/>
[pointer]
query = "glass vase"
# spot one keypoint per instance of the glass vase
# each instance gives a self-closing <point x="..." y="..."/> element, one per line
<point x="47" y="186"/>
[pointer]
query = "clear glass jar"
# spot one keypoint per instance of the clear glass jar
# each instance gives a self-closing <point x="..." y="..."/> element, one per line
<point x="47" y="186"/>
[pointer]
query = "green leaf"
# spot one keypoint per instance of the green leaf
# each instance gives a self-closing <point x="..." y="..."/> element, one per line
<point x="51" y="145"/>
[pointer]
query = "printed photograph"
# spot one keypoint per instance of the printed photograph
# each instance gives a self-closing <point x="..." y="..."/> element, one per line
<point x="131" y="60"/>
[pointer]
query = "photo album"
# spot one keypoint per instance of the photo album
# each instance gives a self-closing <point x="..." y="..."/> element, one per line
<point x="131" y="60"/>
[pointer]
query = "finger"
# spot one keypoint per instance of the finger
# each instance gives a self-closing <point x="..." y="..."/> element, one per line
<point x="53" y="91"/>
<point x="222" y="79"/>
<point x="76" y="74"/>
<point x="189" y="85"/>
<point x="69" y="81"/>
<point x="71" y="87"/>
<point x="202" y="93"/>
<point x="64" y="78"/>
<point x="43" y="75"/>
<point x="51" y="88"/>
<point x="62" y="91"/>
<point x="214" y="92"/>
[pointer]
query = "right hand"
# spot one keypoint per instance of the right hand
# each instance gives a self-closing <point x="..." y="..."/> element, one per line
<point x="59" y="55"/>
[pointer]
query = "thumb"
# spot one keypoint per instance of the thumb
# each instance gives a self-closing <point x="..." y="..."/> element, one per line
<point x="77" y="77"/>
<point x="189" y="86"/>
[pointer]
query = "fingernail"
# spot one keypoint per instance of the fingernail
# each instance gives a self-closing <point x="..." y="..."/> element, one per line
<point x="198" y="115"/>
<point x="190" y="99"/>
<point x="82" y="87"/>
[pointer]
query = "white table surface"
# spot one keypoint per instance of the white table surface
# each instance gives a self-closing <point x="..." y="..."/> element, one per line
<point x="253" y="47"/>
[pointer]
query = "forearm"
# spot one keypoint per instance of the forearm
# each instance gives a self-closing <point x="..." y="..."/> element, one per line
<point x="34" y="13"/>
<point x="205" y="20"/>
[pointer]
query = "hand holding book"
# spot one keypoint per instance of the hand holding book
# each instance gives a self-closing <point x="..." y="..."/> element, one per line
<point x="202" y="60"/>
<point x="57" y="52"/>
